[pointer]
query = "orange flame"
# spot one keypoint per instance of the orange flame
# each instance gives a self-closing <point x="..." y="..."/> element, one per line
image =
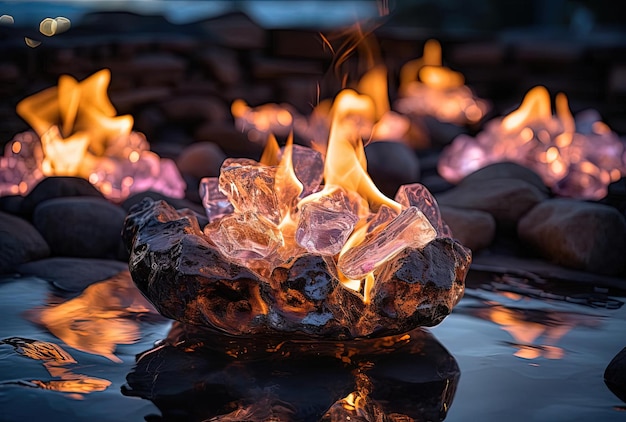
<point x="345" y="163"/>
<point x="535" y="106"/>
<point x="73" y="120"/>
<point x="429" y="88"/>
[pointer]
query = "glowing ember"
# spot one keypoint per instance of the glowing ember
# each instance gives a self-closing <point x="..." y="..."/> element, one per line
<point x="77" y="133"/>
<point x="576" y="158"/>
<point x="429" y="89"/>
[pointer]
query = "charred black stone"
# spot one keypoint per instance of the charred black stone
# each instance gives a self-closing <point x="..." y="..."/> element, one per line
<point x="187" y="279"/>
<point x="421" y="287"/>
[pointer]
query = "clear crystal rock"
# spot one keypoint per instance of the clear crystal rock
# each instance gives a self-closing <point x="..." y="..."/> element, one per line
<point x="243" y="236"/>
<point x="309" y="167"/>
<point x="418" y="195"/>
<point x="325" y="224"/>
<point x="409" y="229"/>
<point x="216" y="204"/>
<point x="384" y="215"/>
<point x="249" y="186"/>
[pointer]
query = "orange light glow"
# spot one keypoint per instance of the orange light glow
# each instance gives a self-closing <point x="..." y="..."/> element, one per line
<point x="536" y="106"/>
<point x="73" y="120"/>
<point x="571" y="163"/>
<point x="79" y="134"/>
<point x="429" y="88"/>
<point x="100" y="318"/>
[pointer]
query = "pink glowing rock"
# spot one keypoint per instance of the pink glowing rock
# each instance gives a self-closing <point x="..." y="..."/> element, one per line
<point x="410" y="229"/>
<point x="324" y="225"/>
<point x="574" y="158"/>
<point x="215" y="203"/>
<point x="417" y="195"/>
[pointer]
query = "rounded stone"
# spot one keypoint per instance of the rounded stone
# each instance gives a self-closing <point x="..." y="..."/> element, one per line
<point x="20" y="242"/>
<point x="84" y="227"/>
<point x="507" y="200"/>
<point x="391" y="165"/>
<point x="615" y="375"/>
<point x="177" y="203"/>
<point x="56" y="187"/>
<point x="201" y="159"/>
<point x="474" y="229"/>
<point x="505" y="170"/>
<point x="581" y="235"/>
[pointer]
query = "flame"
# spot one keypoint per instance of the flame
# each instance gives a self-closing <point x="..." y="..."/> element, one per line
<point x="74" y="120"/>
<point x="77" y="106"/>
<point x="346" y="167"/>
<point x="570" y="162"/>
<point x="345" y="164"/>
<point x="429" y="88"/>
<point x="534" y="107"/>
<point x="79" y="134"/>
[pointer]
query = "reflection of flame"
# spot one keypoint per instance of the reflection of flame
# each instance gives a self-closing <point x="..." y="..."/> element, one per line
<point x="55" y="361"/>
<point x="573" y="162"/>
<point x="535" y="332"/>
<point x="80" y="135"/>
<point x="429" y="88"/>
<point x="98" y="320"/>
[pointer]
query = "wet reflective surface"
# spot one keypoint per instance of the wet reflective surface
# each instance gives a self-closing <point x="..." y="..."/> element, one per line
<point x="513" y="349"/>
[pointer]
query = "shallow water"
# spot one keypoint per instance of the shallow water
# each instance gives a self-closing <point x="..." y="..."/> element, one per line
<point x="525" y="350"/>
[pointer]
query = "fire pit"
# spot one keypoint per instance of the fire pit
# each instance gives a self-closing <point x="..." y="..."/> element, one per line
<point x="77" y="133"/>
<point x="339" y="260"/>
<point x="575" y="157"/>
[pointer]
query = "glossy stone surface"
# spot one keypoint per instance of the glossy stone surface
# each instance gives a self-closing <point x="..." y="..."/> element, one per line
<point x="186" y="277"/>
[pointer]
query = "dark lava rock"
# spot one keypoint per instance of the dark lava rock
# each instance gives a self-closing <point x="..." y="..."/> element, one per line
<point x="20" y="242"/>
<point x="186" y="278"/>
<point x="420" y="287"/>
<point x="84" y="227"/>
<point x="57" y="187"/>
<point x="177" y="203"/>
<point x="73" y="274"/>
<point x="391" y="165"/>
<point x="615" y="375"/>
<point x="581" y="235"/>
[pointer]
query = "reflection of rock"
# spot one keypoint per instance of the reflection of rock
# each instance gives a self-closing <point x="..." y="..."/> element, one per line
<point x="195" y="375"/>
<point x="175" y="265"/>
<point x="615" y="375"/>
